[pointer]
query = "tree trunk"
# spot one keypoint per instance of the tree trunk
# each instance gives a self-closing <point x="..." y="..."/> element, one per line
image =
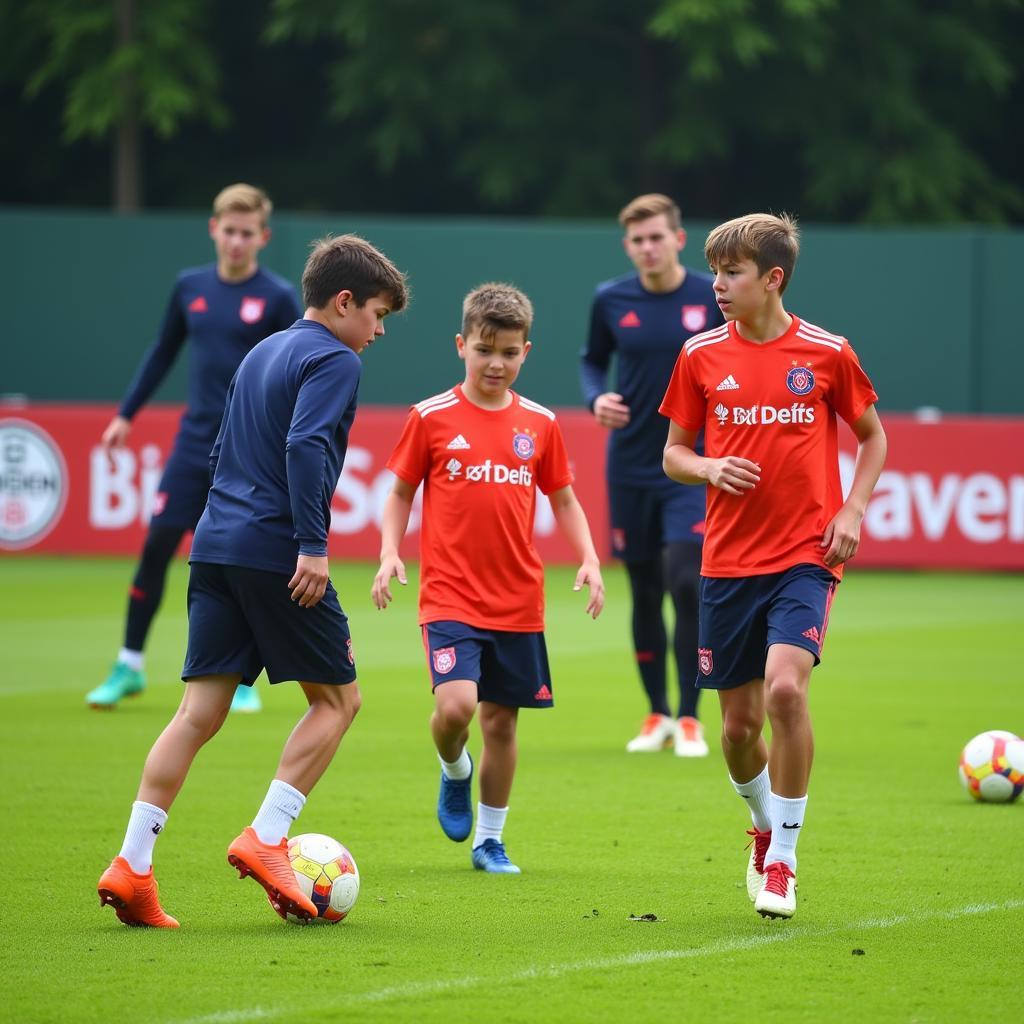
<point x="127" y="156"/>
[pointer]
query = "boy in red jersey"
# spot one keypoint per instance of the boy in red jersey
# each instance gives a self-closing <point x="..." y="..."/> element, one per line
<point x="481" y="451"/>
<point x="766" y="388"/>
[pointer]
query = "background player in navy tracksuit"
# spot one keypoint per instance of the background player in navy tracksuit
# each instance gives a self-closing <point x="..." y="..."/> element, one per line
<point x="224" y="309"/>
<point x="642" y="320"/>
<point x="259" y="592"/>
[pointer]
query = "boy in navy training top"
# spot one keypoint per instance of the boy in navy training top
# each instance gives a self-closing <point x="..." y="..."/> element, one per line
<point x="225" y="309"/>
<point x="642" y="320"/>
<point x="259" y="594"/>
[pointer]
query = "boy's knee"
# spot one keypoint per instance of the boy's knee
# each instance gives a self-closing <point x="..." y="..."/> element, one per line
<point x="454" y="714"/>
<point x="785" y="694"/>
<point x="740" y="730"/>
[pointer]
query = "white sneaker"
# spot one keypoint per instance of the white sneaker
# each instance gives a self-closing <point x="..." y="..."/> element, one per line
<point x="655" y="734"/>
<point x="688" y="737"/>
<point x="777" y="897"/>
<point x="755" y="866"/>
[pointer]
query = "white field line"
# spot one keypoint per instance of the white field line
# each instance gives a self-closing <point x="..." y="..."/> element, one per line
<point x="780" y="933"/>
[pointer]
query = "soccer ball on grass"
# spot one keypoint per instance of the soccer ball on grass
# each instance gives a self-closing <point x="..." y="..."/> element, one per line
<point x="992" y="766"/>
<point x="326" y="873"/>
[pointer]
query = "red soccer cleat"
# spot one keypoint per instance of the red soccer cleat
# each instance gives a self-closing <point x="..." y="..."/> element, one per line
<point x="133" y="896"/>
<point x="777" y="897"/>
<point x="269" y="865"/>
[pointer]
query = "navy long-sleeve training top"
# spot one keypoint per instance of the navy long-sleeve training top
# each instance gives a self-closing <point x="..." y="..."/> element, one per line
<point x="644" y="331"/>
<point x="280" y="450"/>
<point x="223" y="320"/>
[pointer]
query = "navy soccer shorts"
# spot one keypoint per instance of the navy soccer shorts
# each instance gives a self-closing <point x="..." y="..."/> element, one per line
<point x="181" y="496"/>
<point x="740" y="618"/>
<point x="646" y="519"/>
<point x="244" y="620"/>
<point x="508" y="668"/>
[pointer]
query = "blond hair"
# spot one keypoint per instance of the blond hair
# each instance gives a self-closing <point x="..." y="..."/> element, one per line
<point x="650" y="205"/>
<point x="496" y="307"/>
<point x="348" y="262"/>
<point x="768" y="239"/>
<point x="242" y="198"/>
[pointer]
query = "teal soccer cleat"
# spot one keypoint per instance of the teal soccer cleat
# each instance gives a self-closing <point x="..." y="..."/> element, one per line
<point x="490" y="856"/>
<point x="122" y="682"/>
<point x="454" y="807"/>
<point x="246" y="700"/>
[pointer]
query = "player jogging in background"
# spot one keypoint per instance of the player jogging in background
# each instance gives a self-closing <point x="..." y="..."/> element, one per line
<point x="778" y="530"/>
<point x="224" y="309"/>
<point x="259" y="592"/>
<point x="481" y="452"/>
<point x="641" y="321"/>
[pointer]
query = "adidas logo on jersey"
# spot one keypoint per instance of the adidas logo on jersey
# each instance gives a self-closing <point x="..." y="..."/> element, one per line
<point x="729" y="384"/>
<point x="458" y="442"/>
<point x="630" y="320"/>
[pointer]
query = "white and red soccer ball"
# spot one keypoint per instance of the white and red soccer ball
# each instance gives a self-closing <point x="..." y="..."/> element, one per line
<point x="992" y="766"/>
<point x="326" y="873"/>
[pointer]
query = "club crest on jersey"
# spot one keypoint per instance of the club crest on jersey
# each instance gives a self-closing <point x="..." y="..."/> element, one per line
<point x="524" y="443"/>
<point x="251" y="310"/>
<point x="695" y="318"/>
<point x="800" y="380"/>
<point x="444" y="660"/>
<point x="705" y="660"/>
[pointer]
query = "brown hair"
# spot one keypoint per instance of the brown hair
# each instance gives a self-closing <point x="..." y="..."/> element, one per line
<point x="495" y="307"/>
<point x="242" y="198"/>
<point x="650" y="205"/>
<point x="350" y="262"/>
<point x="767" y="239"/>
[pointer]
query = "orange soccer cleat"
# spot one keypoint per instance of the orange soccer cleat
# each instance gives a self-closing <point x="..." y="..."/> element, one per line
<point x="269" y="865"/>
<point x="133" y="896"/>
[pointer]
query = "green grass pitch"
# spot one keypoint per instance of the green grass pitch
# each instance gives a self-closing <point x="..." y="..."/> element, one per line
<point x="911" y="899"/>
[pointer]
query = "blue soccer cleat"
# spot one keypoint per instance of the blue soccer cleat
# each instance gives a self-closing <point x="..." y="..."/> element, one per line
<point x="490" y="856"/>
<point x="246" y="700"/>
<point x="122" y="682"/>
<point x="454" y="807"/>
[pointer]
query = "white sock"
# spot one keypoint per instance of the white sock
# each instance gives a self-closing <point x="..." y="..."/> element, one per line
<point x="281" y="806"/>
<point x="787" y="820"/>
<point x="489" y="823"/>
<point x="145" y="824"/>
<point x="459" y="769"/>
<point x="757" y="792"/>
<point x="133" y="659"/>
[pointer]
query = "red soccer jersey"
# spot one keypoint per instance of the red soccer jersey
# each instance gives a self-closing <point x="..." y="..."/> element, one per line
<point x="775" y="404"/>
<point x="480" y="470"/>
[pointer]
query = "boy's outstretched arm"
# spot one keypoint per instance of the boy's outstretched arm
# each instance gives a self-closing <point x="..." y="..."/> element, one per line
<point x="395" y="521"/>
<point x="842" y="535"/>
<point x="572" y="521"/>
<point x="682" y="464"/>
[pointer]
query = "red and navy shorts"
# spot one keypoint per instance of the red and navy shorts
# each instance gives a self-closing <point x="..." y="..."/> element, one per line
<point x="740" y="618"/>
<point x="181" y="495"/>
<point x="644" y="520"/>
<point x="508" y="668"/>
<point x="241" y="621"/>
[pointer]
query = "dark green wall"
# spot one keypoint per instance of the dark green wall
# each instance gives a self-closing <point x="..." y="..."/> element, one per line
<point x="928" y="310"/>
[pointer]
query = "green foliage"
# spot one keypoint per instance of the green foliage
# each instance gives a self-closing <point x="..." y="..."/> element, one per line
<point x="165" y="74"/>
<point x="879" y="109"/>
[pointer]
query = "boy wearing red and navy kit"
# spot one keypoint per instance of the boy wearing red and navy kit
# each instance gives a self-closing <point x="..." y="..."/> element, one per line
<point x="481" y="452"/>
<point x="767" y="388"/>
